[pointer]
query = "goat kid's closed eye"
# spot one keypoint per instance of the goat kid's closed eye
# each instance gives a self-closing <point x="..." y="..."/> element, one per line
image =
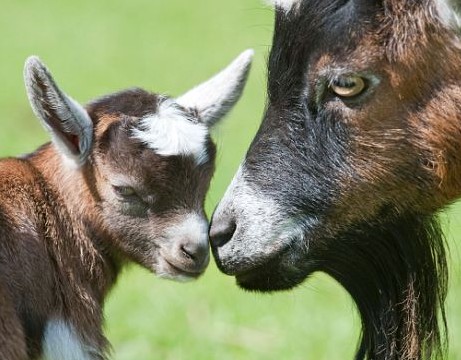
<point x="133" y="203"/>
<point x="125" y="191"/>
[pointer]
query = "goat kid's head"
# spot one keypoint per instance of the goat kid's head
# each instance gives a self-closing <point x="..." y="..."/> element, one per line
<point x="151" y="160"/>
<point x="363" y="125"/>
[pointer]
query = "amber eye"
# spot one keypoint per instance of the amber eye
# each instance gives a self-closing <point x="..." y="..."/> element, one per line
<point x="348" y="86"/>
<point x="125" y="191"/>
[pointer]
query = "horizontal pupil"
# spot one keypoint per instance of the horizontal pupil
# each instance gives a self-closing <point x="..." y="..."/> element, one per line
<point x="344" y="83"/>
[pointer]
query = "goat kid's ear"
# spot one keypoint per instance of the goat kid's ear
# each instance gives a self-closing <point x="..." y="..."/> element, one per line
<point x="449" y="11"/>
<point x="66" y="120"/>
<point x="214" y="98"/>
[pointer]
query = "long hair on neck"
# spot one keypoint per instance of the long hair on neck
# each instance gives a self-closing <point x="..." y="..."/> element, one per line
<point x="396" y="272"/>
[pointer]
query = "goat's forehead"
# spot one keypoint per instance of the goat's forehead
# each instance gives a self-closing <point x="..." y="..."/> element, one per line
<point x="150" y="170"/>
<point x="321" y="26"/>
<point x="447" y="12"/>
<point x="129" y="163"/>
<point x="132" y="102"/>
<point x="360" y="33"/>
<point x="172" y="131"/>
<point x="154" y="121"/>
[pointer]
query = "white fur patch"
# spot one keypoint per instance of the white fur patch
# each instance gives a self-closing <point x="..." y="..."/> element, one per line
<point x="263" y="228"/>
<point x="214" y="98"/>
<point x="192" y="227"/>
<point x="62" y="342"/>
<point x="269" y="228"/>
<point x="447" y="13"/>
<point x="169" y="132"/>
<point x="286" y="5"/>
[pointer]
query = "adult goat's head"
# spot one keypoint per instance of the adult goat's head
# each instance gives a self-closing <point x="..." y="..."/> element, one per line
<point x="358" y="149"/>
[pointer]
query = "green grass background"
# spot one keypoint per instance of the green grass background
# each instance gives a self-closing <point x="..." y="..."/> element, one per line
<point x="97" y="47"/>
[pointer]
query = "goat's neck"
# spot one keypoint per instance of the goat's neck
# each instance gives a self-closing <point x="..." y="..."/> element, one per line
<point x="397" y="274"/>
<point x="73" y="208"/>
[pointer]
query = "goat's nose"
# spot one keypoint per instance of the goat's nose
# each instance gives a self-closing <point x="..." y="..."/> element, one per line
<point x="196" y="253"/>
<point x="221" y="231"/>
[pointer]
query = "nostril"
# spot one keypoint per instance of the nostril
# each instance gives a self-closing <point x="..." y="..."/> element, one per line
<point x="222" y="232"/>
<point x="187" y="253"/>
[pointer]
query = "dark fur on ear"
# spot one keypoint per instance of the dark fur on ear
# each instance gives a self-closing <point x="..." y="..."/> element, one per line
<point x="68" y="123"/>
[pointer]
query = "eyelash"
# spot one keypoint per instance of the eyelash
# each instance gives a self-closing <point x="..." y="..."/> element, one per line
<point x="125" y="191"/>
<point x="129" y="194"/>
<point x="348" y="87"/>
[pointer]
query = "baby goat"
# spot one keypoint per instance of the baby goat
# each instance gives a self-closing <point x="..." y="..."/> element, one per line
<point x="124" y="179"/>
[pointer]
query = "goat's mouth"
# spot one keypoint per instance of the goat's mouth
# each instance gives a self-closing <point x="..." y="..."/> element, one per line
<point x="170" y="269"/>
<point x="234" y="265"/>
<point x="272" y="276"/>
<point x="244" y="255"/>
<point x="280" y="269"/>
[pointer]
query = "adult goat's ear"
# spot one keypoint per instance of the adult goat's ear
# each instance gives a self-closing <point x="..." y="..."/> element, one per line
<point x="66" y="120"/>
<point x="214" y="98"/>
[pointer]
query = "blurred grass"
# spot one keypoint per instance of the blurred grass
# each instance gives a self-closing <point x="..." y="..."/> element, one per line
<point x="97" y="47"/>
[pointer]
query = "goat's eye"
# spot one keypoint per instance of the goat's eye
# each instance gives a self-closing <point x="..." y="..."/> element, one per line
<point x="348" y="86"/>
<point x="125" y="191"/>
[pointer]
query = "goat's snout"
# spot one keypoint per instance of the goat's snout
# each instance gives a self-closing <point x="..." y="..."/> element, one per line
<point x="194" y="255"/>
<point x="221" y="231"/>
<point x="189" y="258"/>
<point x="189" y="252"/>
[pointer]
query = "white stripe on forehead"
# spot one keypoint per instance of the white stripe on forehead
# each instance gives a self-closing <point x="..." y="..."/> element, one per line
<point x="286" y="5"/>
<point x="170" y="132"/>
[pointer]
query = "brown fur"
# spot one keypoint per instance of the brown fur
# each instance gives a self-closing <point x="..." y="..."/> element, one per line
<point x="59" y="256"/>
<point x="121" y="181"/>
<point x="413" y="127"/>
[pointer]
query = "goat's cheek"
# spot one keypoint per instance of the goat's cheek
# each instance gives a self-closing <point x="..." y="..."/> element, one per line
<point x="133" y="209"/>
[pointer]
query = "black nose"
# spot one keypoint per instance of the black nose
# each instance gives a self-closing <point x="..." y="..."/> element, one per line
<point x="194" y="251"/>
<point x="195" y="255"/>
<point x="221" y="231"/>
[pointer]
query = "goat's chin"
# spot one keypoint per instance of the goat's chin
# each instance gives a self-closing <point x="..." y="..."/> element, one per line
<point x="282" y="267"/>
<point x="271" y="278"/>
<point x="166" y="270"/>
<point x="176" y="277"/>
<point x="281" y="271"/>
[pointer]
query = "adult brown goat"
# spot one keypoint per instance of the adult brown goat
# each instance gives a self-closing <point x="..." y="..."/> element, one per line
<point x="123" y="180"/>
<point x="359" y="149"/>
